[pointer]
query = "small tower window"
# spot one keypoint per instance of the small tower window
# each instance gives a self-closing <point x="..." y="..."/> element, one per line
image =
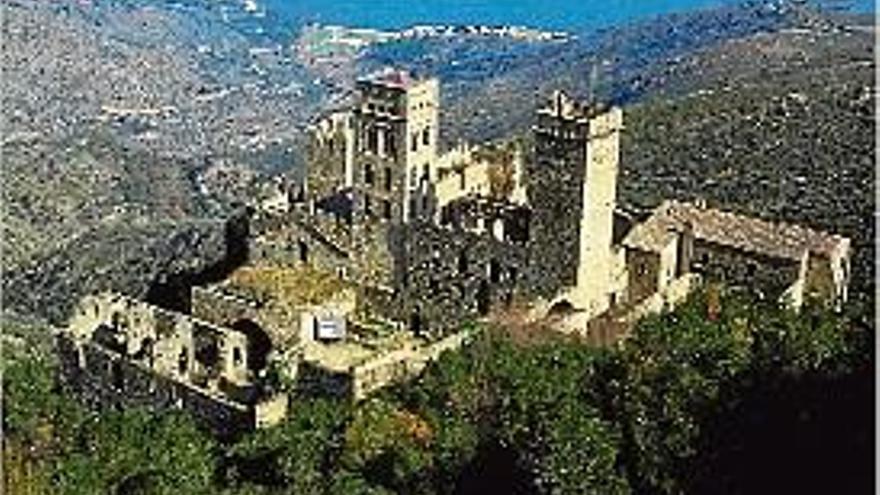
<point x="303" y="251"/>
<point x="388" y="179"/>
<point x="751" y="269"/>
<point x="494" y="272"/>
<point x="116" y="375"/>
<point x="426" y="136"/>
<point x="415" y="142"/>
<point x="390" y="144"/>
<point x="368" y="210"/>
<point x="386" y="209"/>
<point x="236" y="356"/>
<point x="182" y="361"/>
<point x="368" y="174"/>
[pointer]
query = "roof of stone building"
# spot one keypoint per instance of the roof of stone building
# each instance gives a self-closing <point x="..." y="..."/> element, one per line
<point x="749" y="234"/>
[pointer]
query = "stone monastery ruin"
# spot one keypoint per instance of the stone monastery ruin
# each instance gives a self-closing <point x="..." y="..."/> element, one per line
<point x="380" y="257"/>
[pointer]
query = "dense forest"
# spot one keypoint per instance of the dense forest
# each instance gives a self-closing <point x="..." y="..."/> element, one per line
<point x="722" y="395"/>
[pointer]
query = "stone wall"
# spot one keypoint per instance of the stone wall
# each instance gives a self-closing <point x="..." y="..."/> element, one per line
<point x="766" y="276"/>
<point x="280" y="325"/>
<point x="554" y="185"/>
<point x="120" y="352"/>
<point x="643" y="268"/>
<point x="381" y="370"/>
<point x="571" y="188"/>
<point x="400" y="364"/>
<point x="316" y="381"/>
<point x="103" y="379"/>
<point x="453" y="275"/>
<point x="828" y="274"/>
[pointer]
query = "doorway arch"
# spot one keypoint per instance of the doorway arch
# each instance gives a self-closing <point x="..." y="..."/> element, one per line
<point x="258" y="343"/>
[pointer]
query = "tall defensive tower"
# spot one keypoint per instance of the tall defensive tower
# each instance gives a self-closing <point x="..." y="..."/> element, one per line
<point x="571" y="185"/>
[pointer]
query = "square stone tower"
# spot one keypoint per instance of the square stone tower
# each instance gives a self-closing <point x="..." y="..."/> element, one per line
<point x="572" y="187"/>
<point x="395" y="125"/>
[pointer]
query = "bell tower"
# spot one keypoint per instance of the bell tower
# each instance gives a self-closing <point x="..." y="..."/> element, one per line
<point x="395" y="133"/>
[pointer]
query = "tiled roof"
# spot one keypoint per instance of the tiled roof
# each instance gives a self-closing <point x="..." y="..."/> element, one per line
<point x="778" y="240"/>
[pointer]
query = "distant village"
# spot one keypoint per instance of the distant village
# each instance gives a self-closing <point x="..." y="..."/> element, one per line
<point x="319" y="40"/>
<point x="390" y="251"/>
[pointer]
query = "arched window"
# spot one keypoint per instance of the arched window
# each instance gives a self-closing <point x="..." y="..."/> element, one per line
<point x="484" y="298"/>
<point x="388" y="178"/>
<point x="259" y="345"/>
<point x="368" y="174"/>
<point x="494" y="272"/>
<point x="373" y="140"/>
<point x="391" y="144"/>
<point x="183" y="361"/>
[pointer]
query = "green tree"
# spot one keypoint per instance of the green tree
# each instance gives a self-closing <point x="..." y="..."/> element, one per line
<point x="555" y="428"/>
<point x="530" y="400"/>
<point x="675" y="367"/>
<point x="135" y="451"/>
<point x="297" y="454"/>
<point x="815" y="339"/>
<point x="353" y="483"/>
<point x="39" y="423"/>
<point x="33" y="408"/>
<point x="390" y="445"/>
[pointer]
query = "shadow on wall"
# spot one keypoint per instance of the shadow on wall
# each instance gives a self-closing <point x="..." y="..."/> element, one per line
<point x="172" y="291"/>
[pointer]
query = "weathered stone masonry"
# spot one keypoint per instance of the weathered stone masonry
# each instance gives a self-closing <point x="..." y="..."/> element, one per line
<point x="412" y="244"/>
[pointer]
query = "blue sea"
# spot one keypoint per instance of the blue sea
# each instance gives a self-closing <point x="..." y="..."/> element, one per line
<point x="544" y="14"/>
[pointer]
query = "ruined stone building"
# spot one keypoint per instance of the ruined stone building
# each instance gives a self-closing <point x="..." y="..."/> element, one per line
<point x="120" y="352"/>
<point x="370" y="266"/>
<point x="476" y="226"/>
<point x="445" y="237"/>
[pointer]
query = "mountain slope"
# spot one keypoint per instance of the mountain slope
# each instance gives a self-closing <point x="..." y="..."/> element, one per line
<point x="782" y="126"/>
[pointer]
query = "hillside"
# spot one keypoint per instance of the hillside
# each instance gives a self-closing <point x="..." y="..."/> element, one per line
<point x="489" y="101"/>
<point x="776" y="125"/>
<point x="115" y="109"/>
